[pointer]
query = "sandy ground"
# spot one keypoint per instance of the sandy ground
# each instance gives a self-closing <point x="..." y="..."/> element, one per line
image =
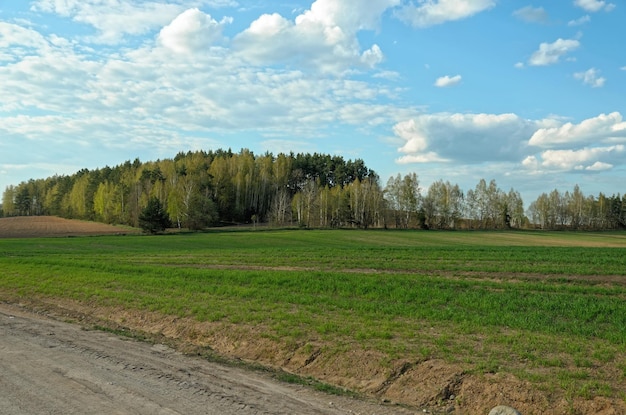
<point x="52" y="367"/>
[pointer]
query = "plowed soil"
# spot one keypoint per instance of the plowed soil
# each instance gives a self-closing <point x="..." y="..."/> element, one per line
<point x="52" y="226"/>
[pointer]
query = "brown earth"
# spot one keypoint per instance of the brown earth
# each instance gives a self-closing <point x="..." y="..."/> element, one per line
<point x="52" y="226"/>
<point x="420" y="386"/>
<point x="48" y="366"/>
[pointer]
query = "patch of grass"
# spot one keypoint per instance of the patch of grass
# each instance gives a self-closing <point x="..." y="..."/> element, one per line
<point x="594" y="388"/>
<point x="123" y="332"/>
<point x="313" y="383"/>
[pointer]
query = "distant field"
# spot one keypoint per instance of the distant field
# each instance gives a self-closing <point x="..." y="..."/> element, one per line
<point x="546" y="308"/>
<point x="50" y="226"/>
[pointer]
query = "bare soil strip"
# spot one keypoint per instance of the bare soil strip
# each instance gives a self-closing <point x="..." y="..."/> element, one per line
<point x="50" y="366"/>
<point x="52" y="226"/>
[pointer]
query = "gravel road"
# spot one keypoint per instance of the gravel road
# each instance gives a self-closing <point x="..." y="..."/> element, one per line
<point x="51" y="367"/>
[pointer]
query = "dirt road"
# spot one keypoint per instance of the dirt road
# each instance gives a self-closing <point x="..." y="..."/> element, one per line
<point x="51" y="367"/>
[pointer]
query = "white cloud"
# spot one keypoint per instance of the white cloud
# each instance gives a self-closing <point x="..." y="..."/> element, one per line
<point x="350" y="15"/>
<point x="433" y="12"/>
<point x="594" y="5"/>
<point x="530" y="162"/>
<point x="467" y="138"/>
<point x="192" y="31"/>
<point x="599" y="166"/>
<point x="603" y="128"/>
<point x="550" y="53"/>
<point x="416" y="141"/>
<point x="446" y="81"/>
<point x="586" y="159"/>
<point x="322" y="38"/>
<point x="594" y="145"/>
<point x="580" y="21"/>
<point x="42" y="73"/>
<point x="389" y="75"/>
<point x="372" y="56"/>
<point x="532" y="14"/>
<point x="146" y="93"/>
<point x="591" y="77"/>
<point x="12" y="35"/>
<point x="115" y="19"/>
<point x="428" y="157"/>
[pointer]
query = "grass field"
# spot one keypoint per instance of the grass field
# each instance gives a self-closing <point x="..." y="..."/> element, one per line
<point x="548" y="308"/>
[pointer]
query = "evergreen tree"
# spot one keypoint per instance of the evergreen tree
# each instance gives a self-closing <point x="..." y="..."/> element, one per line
<point x="153" y="218"/>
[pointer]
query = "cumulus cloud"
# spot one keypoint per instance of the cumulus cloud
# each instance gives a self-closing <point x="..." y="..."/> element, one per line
<point x="593" y="145"/>
<point x="416" y="140"/>
<point x="591" y="77"/>
<point x="594" y="5"/>
<point x="192" y="31"/>
<point x="350" y="15"/>
<point x="323" y="37"/>
<point x="446" y="81"/>
<point x="433" y="12"/>
<point x="551" y="53"/>
<point x="532" y="14"/>
<point x="603" y="128"/>
<point x="470" y="138"/>
<point x="586" y="159"/>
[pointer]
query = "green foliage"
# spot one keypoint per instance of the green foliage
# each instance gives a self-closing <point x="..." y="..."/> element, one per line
<point x="153" y="218"/>
<point x="574" y="210"/>
<point x="310" y="190"/>
<point x="201" y="213"/>
<point x="197" y="189"/>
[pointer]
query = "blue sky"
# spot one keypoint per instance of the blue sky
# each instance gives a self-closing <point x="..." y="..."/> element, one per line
<point x="529" y="94"/>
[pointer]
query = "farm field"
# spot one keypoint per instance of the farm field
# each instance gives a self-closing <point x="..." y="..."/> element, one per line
<point x="38" y="226"/>
<point x="459" y="321"/>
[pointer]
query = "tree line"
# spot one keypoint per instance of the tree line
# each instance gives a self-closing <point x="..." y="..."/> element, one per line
<point x="201" y="189"/>
<point x="574" y="210"/>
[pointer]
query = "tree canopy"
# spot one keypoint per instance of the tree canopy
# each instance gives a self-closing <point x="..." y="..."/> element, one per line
<point x="200" y="189"/>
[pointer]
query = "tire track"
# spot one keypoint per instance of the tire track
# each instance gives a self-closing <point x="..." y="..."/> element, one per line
<point x="51" y="367"/>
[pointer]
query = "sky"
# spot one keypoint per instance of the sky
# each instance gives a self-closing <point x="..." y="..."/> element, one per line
<point x="532" y="95"/>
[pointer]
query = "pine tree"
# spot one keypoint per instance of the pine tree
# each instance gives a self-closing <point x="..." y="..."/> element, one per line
<point x="153" y="217"/>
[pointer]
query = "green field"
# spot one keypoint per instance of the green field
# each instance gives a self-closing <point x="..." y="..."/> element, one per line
<point x="549" y="308"/>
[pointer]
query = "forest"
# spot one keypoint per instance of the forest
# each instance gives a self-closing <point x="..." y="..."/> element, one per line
<point x="201" y="189"/>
